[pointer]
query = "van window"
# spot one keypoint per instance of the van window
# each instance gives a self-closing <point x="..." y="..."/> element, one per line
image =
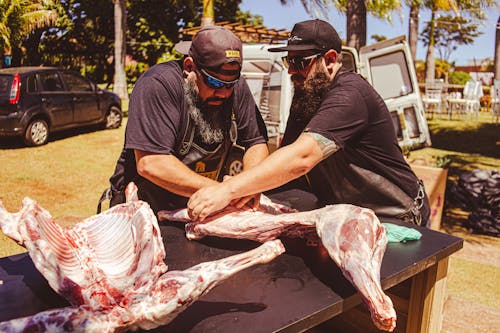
<point x="264" y="80"/>
<point x="411" y="122"/>
<point x="397" y="125"/>
<point x="394" y="85"/>
<point x="348" y="61"/>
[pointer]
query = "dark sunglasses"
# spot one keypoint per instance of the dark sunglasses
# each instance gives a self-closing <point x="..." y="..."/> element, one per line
<point x="216" y="83"/>
<point x="299" y="63"/>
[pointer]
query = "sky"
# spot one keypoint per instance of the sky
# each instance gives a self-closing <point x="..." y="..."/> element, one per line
<point x="284" y="17"/>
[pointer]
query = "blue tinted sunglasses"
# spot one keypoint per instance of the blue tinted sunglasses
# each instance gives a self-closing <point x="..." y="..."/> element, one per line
<point x="216" y="83"/>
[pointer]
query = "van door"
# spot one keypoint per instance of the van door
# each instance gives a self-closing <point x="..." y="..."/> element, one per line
<point x="271" y="88"/>
<point x="389" y="68"/>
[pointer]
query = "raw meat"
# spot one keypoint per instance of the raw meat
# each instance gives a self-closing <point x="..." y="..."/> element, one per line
<point x="356" y="241"/>
<point x="100" y="259"/>
<point x="268" y="223"/>
<point x="353" y="237"/>
<point x="110" y="268"/>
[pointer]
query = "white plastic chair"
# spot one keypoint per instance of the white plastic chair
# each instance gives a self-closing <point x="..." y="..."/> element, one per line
<point x="495" y="101"/>
<point x="433" y="96"/>
<point x="469" y="103"/>
<point x="473" y="97"/>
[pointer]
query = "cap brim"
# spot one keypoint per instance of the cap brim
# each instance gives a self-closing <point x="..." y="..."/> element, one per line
<point x="183" y="47"/>
<point x="301" y="47"/>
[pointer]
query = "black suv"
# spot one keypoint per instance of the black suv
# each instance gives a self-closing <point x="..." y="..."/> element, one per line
<point x="36" y="101"/>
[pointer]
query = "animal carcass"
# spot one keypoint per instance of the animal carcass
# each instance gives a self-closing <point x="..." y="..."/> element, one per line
<point x="110" y="268"/>
<point x="353" y="237"/>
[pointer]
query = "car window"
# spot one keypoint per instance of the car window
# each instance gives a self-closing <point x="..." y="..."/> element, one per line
<point x="5" y="83"/>
<point x="51" y="82"/>
<point x="76" y="83"/>
<point x="31" y="84"/>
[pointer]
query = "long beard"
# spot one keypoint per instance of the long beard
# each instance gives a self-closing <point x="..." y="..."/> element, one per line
<point x="307" y="99"/>
<point x="208" y="125"/>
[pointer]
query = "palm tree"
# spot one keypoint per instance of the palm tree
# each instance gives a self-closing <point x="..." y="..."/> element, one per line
<point x="207" y="17"/>
<point x="497" y="50"/>
<point x="413" y="26"/>
<point x="19" y="17"/>
<point x="120" y="79"/>
<point x="356" y="11"/>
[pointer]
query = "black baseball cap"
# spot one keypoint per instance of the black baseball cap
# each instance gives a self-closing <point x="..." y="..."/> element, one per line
<point x="314" y="35"/>
<point x="212" y="47"/>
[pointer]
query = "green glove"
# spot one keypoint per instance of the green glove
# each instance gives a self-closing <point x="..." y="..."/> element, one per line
<point x="397" y="233"/>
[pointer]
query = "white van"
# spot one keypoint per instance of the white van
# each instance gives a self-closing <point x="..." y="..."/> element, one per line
<point x="387" y="66"/>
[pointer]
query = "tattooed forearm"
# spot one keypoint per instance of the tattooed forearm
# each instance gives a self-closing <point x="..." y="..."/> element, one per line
<point x="327" y="146"/>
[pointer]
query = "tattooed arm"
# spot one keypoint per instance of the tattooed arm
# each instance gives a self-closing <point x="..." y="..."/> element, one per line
<point x="327" y="146"/>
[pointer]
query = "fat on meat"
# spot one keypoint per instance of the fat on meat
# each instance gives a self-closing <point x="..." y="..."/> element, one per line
<point x="352" y="235"/>
<point x="110" y="268"/>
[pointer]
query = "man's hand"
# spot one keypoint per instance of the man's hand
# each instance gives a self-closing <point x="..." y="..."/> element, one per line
<point x="208" y="200"/>
<point x="252" y="201"/>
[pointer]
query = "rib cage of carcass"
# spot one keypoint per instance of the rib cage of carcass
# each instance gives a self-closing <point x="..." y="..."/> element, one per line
<point x="353" y="237"/>
<point x="111" y="268"/>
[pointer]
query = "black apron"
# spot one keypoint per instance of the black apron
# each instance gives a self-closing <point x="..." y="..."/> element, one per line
<point x="208" y="162"/>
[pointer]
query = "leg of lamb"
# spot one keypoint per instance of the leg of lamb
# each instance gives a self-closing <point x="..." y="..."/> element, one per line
<point x="353" y="237"/>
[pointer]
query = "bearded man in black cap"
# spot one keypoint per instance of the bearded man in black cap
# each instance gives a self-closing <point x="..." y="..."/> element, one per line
<point x="184" y="118"/>
<point x="339" y="135"/>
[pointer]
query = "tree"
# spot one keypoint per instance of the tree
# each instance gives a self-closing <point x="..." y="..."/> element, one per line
<point x="20" y="17"/>
<point x="120" y="20"/>
<point x="356" y="11"/>
<point x="467" y="8"/>
<point x="413" y="26"/>
<point x="497" y="50"/>
<point x="207" y="17"/>
<point x="449" y="33"/>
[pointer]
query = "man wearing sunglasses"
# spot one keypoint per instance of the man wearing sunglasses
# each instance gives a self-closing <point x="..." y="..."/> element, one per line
<point x="184" y="117"/>
<point x="339" y="135"/>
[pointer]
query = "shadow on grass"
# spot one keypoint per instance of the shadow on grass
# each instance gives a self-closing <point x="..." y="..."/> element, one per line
<point x="17" y="142"/>
<point x="483" y="139"/>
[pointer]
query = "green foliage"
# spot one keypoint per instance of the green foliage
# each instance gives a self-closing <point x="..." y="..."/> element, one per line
<point x="249" y="18"/>
<point x="442" y="161"/>
<point x="449" y="33"/>
<point x="83" y="35"/>
<point x="18" y="18"/>
<point x="458" y="77"/>
<point x="134" y="70"/>
<point x="378" y="38"/>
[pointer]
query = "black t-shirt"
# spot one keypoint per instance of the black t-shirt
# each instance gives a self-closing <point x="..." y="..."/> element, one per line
<point x="157" y="124"/>
<point x="369" y="169"/>
<point x="156" y="107"/>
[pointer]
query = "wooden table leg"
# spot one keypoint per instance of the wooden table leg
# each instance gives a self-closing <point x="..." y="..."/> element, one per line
<point x="425" y="311"/>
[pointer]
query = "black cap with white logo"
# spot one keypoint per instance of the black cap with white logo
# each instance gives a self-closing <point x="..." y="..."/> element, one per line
<point x="314" y="35"/>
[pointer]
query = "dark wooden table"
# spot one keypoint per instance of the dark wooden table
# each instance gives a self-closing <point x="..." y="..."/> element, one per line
<point x="297" y="291"/>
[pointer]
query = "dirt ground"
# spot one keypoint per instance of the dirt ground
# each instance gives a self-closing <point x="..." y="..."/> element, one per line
<point x="460" y="315"/>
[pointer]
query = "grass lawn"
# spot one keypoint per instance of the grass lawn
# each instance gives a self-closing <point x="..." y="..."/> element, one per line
<point x="68" y="175"/>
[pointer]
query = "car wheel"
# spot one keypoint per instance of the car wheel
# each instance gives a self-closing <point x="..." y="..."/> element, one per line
<point x="37" y="133"/>
<point x="113" y="118"/>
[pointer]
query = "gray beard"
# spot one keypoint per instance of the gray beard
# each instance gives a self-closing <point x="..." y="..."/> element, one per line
<point x="209" y="131"/>
<point x="307" y="99"/>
